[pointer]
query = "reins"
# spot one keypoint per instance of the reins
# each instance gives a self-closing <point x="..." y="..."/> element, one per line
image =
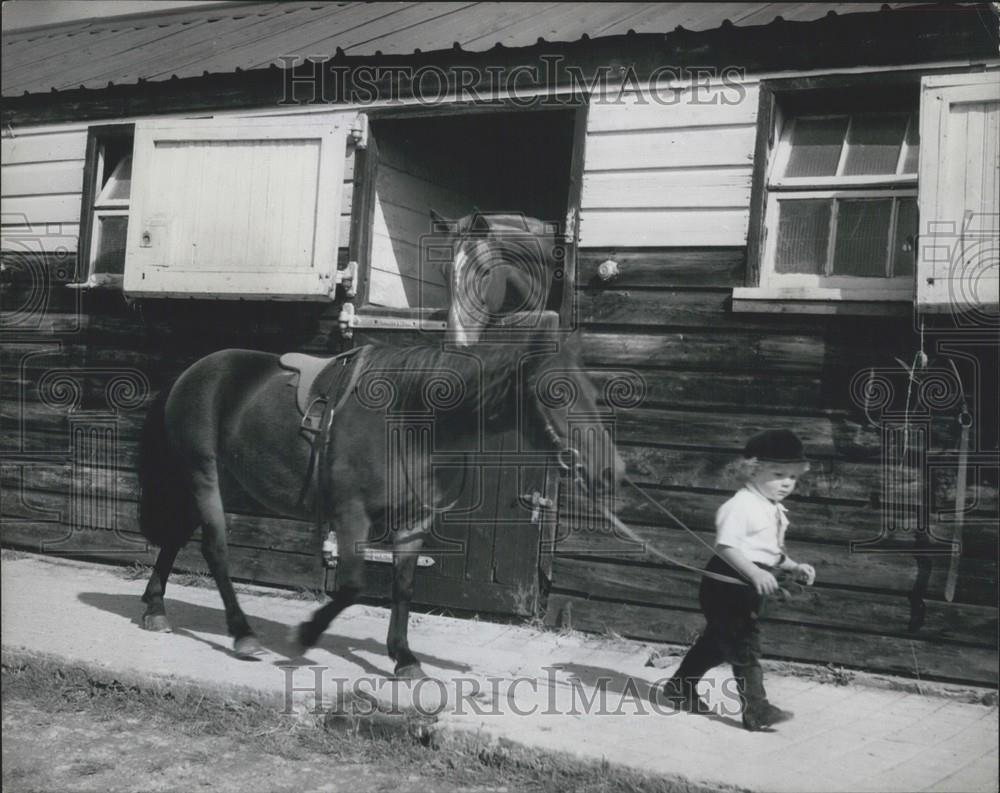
<point x="569" y="461"/>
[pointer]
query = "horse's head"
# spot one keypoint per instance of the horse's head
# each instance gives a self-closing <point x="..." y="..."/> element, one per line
<point x="565" y="406"/>
<point x="500" y="264"/>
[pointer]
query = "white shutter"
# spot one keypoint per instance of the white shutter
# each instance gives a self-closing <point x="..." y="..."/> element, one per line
<point x="237" y="207"/>
<point x="957" y="263"/>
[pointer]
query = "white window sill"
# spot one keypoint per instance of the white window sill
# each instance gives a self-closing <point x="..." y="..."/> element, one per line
<point x="99" y="281"/>
<point x="822" y="300"/>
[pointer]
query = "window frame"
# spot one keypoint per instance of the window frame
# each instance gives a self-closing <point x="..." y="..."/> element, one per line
<point x="806" y="294"/>
<point x="98" y="136"/>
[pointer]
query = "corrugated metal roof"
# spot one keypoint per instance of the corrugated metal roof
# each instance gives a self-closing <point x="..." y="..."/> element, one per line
<point x="222" y="39"/>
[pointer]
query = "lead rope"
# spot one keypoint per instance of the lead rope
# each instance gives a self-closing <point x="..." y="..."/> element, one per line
<point x="569" y="460"/>
<point x="631" y="534"/>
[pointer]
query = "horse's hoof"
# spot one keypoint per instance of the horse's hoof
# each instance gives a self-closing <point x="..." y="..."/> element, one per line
<point x="410" y="672"/>
<point x="302" y="636"/>
<point x="296" y="644"/>
<point x="248" y="648"/>
<point x="157" y="623"/>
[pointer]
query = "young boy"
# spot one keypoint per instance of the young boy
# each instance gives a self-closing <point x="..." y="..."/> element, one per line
<point x="749" y="546"/>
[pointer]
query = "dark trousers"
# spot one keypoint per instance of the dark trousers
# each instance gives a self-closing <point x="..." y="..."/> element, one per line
<point x="731" y="635"/>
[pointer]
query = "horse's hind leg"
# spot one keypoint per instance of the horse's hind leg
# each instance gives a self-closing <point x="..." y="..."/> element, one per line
<point x="352" y="521"/>
<point x="406" y="551"/>
<point x="155" y="618"/>
<point x="212" y="516"/>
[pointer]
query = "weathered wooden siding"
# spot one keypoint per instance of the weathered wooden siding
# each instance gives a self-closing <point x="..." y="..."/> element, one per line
<point x="63" y="352"/>
<point x="712" y="379"/>
<point x="78" y="373"/>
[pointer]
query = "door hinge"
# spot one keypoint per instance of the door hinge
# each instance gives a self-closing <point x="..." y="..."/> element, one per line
<point x="346" y="320"/>
<point x="359" y="131"/>
<point x="346" y="278"/>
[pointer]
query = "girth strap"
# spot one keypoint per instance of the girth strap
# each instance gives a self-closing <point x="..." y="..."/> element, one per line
<point x="321" y="440"/>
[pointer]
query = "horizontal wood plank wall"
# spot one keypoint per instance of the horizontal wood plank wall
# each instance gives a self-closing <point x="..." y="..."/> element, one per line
<point x="41" y="180"/>
<point x="80" y="366"/>
<point x="711" y="379"/>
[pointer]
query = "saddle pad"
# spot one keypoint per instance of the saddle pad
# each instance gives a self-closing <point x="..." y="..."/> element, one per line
<point x="309" y="384"/>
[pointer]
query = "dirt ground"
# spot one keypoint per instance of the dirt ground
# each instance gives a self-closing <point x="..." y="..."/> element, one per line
<point x="75" y="752"/>
<point x="75" y="728"/>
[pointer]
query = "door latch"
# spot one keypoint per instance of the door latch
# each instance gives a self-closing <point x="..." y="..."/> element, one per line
<point x="538" y="503"/>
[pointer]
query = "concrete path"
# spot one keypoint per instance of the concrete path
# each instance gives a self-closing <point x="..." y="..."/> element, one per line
<point x="541" y="689"/>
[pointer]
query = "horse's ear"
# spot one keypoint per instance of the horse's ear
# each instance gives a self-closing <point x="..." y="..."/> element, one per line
<point x="439" y="223"/>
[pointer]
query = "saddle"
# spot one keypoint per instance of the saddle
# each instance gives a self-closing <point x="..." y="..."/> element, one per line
<point x="314" y="378"/>
<point x="316" y="382"/>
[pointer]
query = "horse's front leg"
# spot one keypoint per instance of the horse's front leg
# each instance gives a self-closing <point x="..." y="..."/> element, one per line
<point x="351" y="522"/>
<point x="155" y="618"/>
<point x="215" y="549"/>
<point x="406" y="551"/>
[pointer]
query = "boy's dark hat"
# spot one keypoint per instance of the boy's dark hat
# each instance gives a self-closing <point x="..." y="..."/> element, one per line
<point x="775" y="446"/>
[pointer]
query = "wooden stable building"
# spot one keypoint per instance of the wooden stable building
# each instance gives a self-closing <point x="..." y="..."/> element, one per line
<point x="775" y="215"/>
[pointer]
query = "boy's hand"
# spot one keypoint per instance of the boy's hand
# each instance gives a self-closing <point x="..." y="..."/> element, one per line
<point x="805" y="573"/>
<point x="764" y="582"/>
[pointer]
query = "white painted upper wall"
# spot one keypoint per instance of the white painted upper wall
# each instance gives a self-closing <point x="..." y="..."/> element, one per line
<point x="656" y="174"/>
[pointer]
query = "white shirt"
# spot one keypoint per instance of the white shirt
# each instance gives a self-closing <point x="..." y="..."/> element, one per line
<point x="752" y="524"/>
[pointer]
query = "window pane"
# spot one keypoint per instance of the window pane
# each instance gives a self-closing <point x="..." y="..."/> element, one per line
<point x="873" y="143"/>
<point x="111" y="232"/>
<point x="803" y="233"/>
<point x="815" y="146"/>
<point x="905" y="245"/>
<point x="119" y="184"/>
<point x="862" y="237"/>
<point x="912" y="146"/>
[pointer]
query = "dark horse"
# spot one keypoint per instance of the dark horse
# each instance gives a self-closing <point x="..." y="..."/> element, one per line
<point x="231" y="423"/>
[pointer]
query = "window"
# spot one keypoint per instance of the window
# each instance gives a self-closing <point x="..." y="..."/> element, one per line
<point x="842" y="200"/>
<point x="850" y="193"/>
<point x="107" y="196"/>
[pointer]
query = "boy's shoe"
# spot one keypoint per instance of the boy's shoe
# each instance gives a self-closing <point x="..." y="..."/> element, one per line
<point x="761" y="717"/>
<point x="682" y="695"/>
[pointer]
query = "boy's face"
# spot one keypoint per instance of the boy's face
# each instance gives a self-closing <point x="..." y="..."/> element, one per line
<point x="777" y="480"/>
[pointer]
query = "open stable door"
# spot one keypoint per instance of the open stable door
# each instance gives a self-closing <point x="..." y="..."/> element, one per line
<point x="488" y="551"/>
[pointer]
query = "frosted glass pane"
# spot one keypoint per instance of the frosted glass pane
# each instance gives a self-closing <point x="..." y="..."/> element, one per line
<point x="862" y="237"/>
<point x="905" y="245"/>
<point x="873" y="143"/>
<point x="803" y="234"/>
<point x="111" y="233"/>
<point x="120" y="183"/>
<point x="912" y="146"/>
<point x="815" y="146"/>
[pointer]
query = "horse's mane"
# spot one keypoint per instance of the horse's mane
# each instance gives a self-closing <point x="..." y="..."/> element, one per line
<point x="488" y="374"/>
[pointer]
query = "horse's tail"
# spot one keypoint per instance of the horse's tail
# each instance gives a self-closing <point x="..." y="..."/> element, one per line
<point x="165" y="501"/>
